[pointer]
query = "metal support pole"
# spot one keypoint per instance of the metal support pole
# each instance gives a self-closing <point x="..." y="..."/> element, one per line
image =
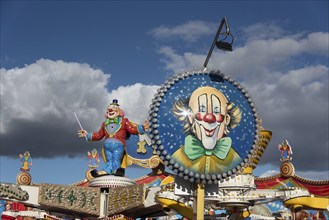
<point x="224" y="21"/>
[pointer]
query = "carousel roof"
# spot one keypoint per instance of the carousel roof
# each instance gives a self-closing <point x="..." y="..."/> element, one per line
<point x="316" y="187"/>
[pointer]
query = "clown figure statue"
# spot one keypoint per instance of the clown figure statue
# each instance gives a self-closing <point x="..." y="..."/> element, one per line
<point x="286" y="150"/>
<point x="207" y="116"/>
<point x="116" y="129"/>
<point x="26" y="161"/>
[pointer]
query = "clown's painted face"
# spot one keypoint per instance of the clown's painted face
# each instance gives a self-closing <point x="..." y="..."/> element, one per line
<point x="113" y="111"/>
<point x="209" y="115"/>
<point x="26" y="154"/>
<point x="94" y="152"/>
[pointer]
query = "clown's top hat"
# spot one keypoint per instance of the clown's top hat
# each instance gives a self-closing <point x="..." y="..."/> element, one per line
<point x="115" y="102"/>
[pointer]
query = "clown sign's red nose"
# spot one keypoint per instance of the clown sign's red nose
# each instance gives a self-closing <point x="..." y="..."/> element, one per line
<point x="209" y="118"/>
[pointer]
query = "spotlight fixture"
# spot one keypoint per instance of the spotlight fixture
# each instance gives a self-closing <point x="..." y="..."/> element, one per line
<point x="221" y="44"/>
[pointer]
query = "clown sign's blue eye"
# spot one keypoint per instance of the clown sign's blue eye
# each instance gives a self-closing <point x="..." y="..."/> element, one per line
<point x="202" y="99"/>
<point x="215" y="104"/>
<point x="202" y="108"/>
<point x="216" y="110"/>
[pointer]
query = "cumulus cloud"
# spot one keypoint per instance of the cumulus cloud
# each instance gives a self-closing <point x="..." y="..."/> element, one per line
<point x="294" y="106"/>
<point x="256" y="55"/>
<point x="190" y="31"/>
<point x="136" y="100"/>
<point x="310" y="175"/>
<point x="38" y="101"/>
<point x="178" y="63"/>
<point x="52" y="89"/>
<point x="263" y="31"/>
<point x="291" y="96"/>
<point x="269" y="173"/>
<point x="314" y="175"/>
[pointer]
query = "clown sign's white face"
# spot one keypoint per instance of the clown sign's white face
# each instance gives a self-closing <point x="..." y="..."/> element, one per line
<point x="209" y="115"/>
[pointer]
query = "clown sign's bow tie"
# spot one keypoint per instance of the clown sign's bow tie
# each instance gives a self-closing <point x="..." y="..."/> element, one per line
<point x="194" y="148"/>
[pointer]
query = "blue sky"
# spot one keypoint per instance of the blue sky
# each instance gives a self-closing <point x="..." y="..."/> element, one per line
<point x="59" y="57"/>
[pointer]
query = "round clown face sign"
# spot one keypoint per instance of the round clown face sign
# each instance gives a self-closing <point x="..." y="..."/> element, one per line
<point x="203" y="125"/>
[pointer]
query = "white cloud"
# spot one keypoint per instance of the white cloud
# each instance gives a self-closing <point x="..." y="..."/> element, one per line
<point x="190" y="31"/>
<point x="309" y="175"/>
<point x="135" y="100"/>
<point x="269" y="173"/>
<point x="304" y="78"/>
<point x="263" y="31"/>
<point x="317" y="43"/>
<point x="51" y="89"/>
<point x="314" y="175"/>
<point x="38" y="101"/>
<point x="252" y="57"/>
<point x="178" y="63"/>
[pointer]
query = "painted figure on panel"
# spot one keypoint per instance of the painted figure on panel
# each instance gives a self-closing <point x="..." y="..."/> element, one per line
<point x="207" y="117"/>
<point x="116" y="129"/>
<point x="26" y="160"/>
<point x="286" y="150"/>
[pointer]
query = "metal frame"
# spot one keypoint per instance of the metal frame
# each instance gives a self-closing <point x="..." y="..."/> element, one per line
<point x="223" y="21"/>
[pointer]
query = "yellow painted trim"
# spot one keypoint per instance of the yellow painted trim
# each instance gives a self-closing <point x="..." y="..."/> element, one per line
<point x="309" y="202"/>
<point x="168" y="179"/>
<point x="179" y="207"/>
<point x="247" y="170"/>
<point x="103" y="155"/>
<point x="124" y="163"/>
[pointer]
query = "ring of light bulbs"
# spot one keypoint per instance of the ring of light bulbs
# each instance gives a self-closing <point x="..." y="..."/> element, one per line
<point x="158" y="144"/>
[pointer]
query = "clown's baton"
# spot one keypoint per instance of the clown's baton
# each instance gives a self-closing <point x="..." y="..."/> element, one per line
<point x="76" y="117"/>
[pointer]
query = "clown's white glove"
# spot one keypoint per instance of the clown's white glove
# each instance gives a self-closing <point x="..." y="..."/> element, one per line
<point x="146" y="138"/>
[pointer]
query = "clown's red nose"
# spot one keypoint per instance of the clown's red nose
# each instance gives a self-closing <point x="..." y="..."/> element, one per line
<point x="209" y="118"/>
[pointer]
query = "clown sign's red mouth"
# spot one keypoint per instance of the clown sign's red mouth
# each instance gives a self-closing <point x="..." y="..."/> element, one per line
<point x="209" y="133"/>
